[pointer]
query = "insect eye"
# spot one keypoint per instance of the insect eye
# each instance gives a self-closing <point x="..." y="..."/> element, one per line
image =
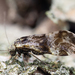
<point x="13" y="52"/>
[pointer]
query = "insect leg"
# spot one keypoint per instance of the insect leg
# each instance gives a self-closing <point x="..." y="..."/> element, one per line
<point x="36" y="57"/>
<point x="46" y="57"/>
<point x="25" y="59"/>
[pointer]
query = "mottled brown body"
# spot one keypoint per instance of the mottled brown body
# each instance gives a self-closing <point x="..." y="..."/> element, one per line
<point x="60" y="43"/>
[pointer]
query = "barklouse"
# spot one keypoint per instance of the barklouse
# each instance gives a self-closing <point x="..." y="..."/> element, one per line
<point x="61" y="43"/>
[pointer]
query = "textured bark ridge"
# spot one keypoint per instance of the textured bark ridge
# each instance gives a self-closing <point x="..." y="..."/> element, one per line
<point x="60" y="43"/>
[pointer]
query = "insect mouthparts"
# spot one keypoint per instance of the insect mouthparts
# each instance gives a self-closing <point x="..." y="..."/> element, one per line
<point x="12" y="50"/>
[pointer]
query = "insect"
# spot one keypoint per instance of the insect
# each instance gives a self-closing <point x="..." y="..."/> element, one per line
<point x="61" y="43"/>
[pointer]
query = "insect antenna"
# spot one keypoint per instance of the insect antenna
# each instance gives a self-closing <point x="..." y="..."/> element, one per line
<point x="5" y="29"/>
<point x="4" y="14"/>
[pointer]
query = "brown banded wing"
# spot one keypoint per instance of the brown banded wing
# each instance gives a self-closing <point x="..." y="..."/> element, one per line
<point x="62" y="43"/>
<point x="35" y="43"/>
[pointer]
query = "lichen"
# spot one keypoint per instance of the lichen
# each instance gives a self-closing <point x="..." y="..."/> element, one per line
<point x="16" y="67"/>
